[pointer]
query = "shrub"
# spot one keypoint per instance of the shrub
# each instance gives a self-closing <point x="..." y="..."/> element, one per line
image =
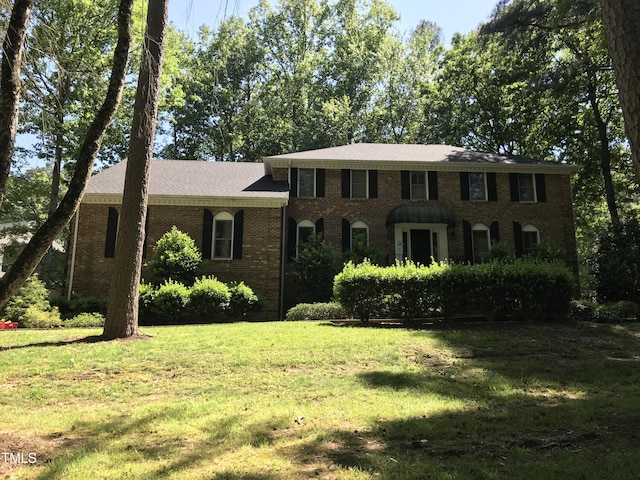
<point x="316" y="267"/>
<point x="616" y="262"/>
<point x="33" y="317"/>
<point x="499" y="252"/>
<point x="85" y="320"/>
<point x="358" y="288"/>
<point x="170" y="301"/>
<point x="315" y="311"/>
<point x="209" y="297"/>
<point x="242" y="300"/>
<point x="582" y="311"/>
<point x="80" y="304"/>
<point x="33" y="294"/>
<point x="175" y="257"/>
<point x="617" y="312"/>
<point x="362" y="250"/>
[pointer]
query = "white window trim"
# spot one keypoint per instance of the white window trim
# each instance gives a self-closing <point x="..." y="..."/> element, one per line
<point x="358" y="224"/>
<point x="480" y="227"/>
<point x="314" y="183"/>
<point x="303" y="224"/>
<point x="535" y="192"/>
<point x="222" y="216"/>
<point x="426" y="184"/>
<point x="366" y="181"/>
<point x="484" y="181"/>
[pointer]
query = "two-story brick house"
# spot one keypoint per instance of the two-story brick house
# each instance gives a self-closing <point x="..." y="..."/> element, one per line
<point x="412" y="202"/>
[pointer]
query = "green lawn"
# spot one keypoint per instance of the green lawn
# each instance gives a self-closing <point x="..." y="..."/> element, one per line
<point x="309" y="400"/>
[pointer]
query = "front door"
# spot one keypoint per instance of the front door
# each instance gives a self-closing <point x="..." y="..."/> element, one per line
<point x="421" y="246"/>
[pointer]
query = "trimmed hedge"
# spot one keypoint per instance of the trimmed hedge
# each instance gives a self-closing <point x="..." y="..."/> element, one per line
<point x="315" y="311"/>
<point x="524" y="289"/>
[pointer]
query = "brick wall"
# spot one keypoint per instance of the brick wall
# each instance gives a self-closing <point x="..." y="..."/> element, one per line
<point x="258" y="268"/>
<point x="553" y="218"/>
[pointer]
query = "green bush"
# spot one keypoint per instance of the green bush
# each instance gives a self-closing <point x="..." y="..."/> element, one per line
<point x="523" y="289"/>
<point x="362" y="250"/>
<point x="315" y="311"/>
<point x="33" y="294"/>
<point x="617" y="312"/>
<point x="616" y="262"/>
<point x="209" y="297"/>
<point x="170" y="301"/>
<point x="316" y="267"/>
<point x="242" y="300"/>
<point x="34" y="317"/>
<point x="175" y="257"/>
<point x="85" y="320"/>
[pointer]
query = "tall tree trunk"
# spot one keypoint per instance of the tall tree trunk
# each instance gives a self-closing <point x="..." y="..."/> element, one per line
<point x="33" y="252"/>
<point x="622" y="24"/>
<point x="122" y="306"/>
<point x="10" y="85"/>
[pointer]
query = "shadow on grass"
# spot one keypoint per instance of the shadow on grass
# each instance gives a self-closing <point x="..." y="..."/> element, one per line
<point x="71" y="341"/>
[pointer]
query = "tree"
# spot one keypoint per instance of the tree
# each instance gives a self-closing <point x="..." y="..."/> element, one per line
<point x="41" y="240"/>
<point x="10" y="85"/>
<point x="622" y="24"/>
<point x="122" y="305"/>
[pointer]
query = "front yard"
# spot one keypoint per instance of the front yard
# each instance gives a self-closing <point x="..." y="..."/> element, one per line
<point x="309" y="400"/>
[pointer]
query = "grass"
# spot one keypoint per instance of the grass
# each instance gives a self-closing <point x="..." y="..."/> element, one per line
<point x="308" y="400"/>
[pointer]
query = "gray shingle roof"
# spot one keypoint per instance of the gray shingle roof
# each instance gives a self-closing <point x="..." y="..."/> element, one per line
<point x="195" y="179"/>
<point x="404" y="152"/>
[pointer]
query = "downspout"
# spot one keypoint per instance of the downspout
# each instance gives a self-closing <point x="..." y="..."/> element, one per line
<point x="283" y="255"/>
<point x="73" y="254"/>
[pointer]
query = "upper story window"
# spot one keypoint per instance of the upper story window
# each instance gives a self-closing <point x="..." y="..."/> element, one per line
<point x="223" y="236"/>
<point x="419" y="185"/>
<point x="528" y="187"/>
<point x="359" y="184"/>
<point x="306" y="182"/>
<point x="477" y="186"/>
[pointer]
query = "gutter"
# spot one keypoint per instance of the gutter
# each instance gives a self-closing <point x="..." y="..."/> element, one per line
<point x="73" y="254"/>
<point x="283" y="254"/>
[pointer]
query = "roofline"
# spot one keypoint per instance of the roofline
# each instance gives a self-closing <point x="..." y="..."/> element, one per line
<point x="550" y="168"/>
<point x="190" y="201"/>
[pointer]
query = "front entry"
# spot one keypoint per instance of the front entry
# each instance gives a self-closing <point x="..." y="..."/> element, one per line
<point x="420" y="246"/>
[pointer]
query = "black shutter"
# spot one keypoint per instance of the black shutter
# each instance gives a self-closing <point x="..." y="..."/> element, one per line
<point x="373" y="184"/>
<point x="112" y="233"/>
<point x="432" y="178"/>
<point x="541" y="188"/>
<point x="238" y="230"/>
<point x="494" y="232"/>
<point x="464" y="186"/>
<point x="320" y="226"/>
<point x="207" y="234"/>
<point x="294" y="182"/>
<point x="467" y="236"/>
<point x="492" y="187"/>
<point x="346" y="235"/>
<point x="346" y="183"/>
<point x="405" y="180"/>
<point x="517" y="239"/>
<point x="514" y="187"/>
<point x="292" y="236"/>
<point x="320" y="176"/>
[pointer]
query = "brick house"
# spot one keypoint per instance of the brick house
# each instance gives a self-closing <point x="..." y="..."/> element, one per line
<point x="411" y="201"/>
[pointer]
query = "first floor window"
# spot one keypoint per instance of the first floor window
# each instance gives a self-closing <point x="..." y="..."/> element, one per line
<point x="360" y="231"/>
<point x="530" y="238"/>
<point x="305" y="228"/>
<point x="223" y="236"/>
<point x="481" y="242"/>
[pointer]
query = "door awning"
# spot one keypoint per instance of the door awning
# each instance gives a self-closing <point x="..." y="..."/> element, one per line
<point x="419" y="214"/>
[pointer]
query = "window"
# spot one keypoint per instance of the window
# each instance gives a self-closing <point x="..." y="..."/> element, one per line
<point x="361" y="230"/>
<point x="306" y="182"/>
<point x="358" y="184"/>
<point x="530" y="238"/>
<point x="223" y="236"/>
<point x="526" y="187"/>
<point x="304" y="230"/>
<point x="481" y="242"/>
<point x="477" y="186"/>
<point x="418" y="185"/>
